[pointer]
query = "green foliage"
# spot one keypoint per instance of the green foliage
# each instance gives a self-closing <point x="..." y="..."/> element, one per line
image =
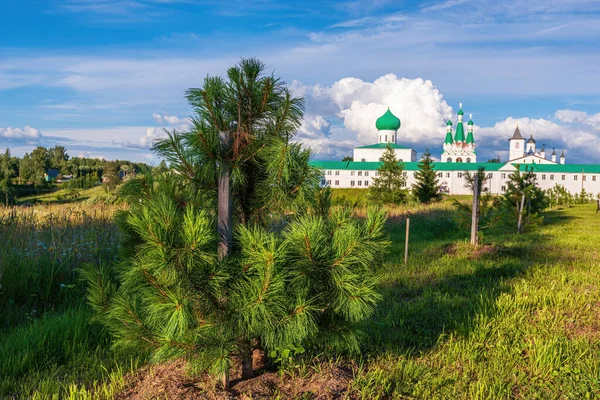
<point x="427" y="188"/>
<point x="490" y="210"/>
<point x="110" y="176"/>
<point x="309" y="285"/>
<point x="389" y="187"/>
<point x="523" y="198"/>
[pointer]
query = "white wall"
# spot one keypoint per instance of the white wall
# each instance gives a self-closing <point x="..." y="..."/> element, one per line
<point x="455" y="181"/>
<point x="376" y="154"/>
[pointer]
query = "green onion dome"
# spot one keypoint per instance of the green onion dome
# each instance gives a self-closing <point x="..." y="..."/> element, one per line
<point x="460" y="112"/>
<point x="470" y="122"/>
<point x="388" y="122"/>
<point x="449" y="123"/>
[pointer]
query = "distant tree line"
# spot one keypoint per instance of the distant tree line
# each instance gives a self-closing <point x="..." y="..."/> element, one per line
<point x="21" y="176"/>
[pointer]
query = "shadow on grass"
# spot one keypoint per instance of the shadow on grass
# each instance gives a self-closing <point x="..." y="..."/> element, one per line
<point x="446" y="284"/>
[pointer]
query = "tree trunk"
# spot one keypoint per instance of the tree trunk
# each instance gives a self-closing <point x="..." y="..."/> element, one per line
<point x="247" y="370"/>
<point x="520" y="209"/>
<point x="224" y="199"/>
<point x="225" y="380"/>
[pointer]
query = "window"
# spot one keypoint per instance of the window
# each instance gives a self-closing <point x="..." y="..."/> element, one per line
<point x="574" y="177"/>
<point x="459" y="174"/>
<point x="503" y="176"/>
<point x="584" y="177"/>
<point x="447" y="174"/>
<point x="440" y="174"/>
<point x="328" y="172"/>
<point x="449" y="159"/>
<point x="363" y="159"/>
<point x="564" y="177"/>
<point x="392" y="138"/>
<point x="459" y="159"/>
<point x="359" y="183"/>
<point x="468" y="160"/>
<point x="376" y="173"/>
<point x="594" y="178"/>
<point x="503" y="188"/>
<point x="359" y="173"/>
<point x="400" y="160"/>
<point x="404" y="174"/>
<point x="352" y="173"/>
<point x="489" y="176"/>
<point x="379" y="138"/>
<point x="337" y="172"/>
<point x="386" y="138"/>
<point x="366" y="183"/>
<point x="337" y="183"/>
<point x="366" y="173"/>
<point x="329" y="182"/>
<point x="351" y="183"/>
<point x="323" y="182"/>
<point x="543" y="177"/>
<point x="516" y="145"/>
<point x="551" y="177"/>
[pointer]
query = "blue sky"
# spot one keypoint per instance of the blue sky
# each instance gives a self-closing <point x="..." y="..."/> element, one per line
<point x="102" y="77"/>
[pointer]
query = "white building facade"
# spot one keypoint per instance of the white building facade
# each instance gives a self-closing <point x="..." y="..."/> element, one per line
<point x="458" y="158"/>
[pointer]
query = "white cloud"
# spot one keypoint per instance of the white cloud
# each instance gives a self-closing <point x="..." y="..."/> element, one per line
<point x="20" y="133"/>
<point x="417" y="102"/>
<point x="578" y="117"/>
<point x="179" y="123"/>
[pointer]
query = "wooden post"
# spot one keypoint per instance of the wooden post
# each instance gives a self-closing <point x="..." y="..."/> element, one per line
<point x="406" y="243"/>
<point x="475" y="210"/>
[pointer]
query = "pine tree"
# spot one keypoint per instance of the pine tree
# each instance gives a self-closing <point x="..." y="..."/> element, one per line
<point x="523" y="196"/>
<point x="427" y="188"/>
<point x="389" y="185"/>
<point x="295" y="274"/>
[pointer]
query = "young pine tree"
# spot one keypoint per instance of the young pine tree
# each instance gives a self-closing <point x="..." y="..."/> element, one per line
<point x="427" y="188"/>
<point x="294" y="273"/>
<point x="389" y="187"/>
<point x="523" y="196"/>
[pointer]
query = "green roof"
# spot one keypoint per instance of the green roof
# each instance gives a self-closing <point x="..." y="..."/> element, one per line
<point x="460" y="112"/>
<point x="566" y="168"/>
<point x="470" y="138"/>
<point x="408" y="166"/>
<point x="449" y="123"/>
<point x="470" y="122"/>
<point x="387" y="122"/>
<point x="460" y="133"/>
<point x="382" y="146"/>
<point x="448" y="138"/>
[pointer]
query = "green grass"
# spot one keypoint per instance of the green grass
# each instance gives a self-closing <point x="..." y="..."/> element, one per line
<point x="62" y="195"/>
<point x="518" y="318"/>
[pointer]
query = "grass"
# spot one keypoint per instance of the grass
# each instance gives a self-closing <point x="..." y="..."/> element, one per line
<point x="517" y="318"/>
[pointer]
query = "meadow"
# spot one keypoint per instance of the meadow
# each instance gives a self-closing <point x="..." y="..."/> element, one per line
<point x="518" y="317"/>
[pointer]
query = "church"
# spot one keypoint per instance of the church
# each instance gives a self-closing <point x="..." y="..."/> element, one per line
<point x="459" y="156"/>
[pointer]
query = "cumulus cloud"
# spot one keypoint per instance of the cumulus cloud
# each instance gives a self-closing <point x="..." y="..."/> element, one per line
<point x="20" y="133"/>
<point x="578" y="117"/>
<point x="417" y="102"/>
<point x="168" y="122"/>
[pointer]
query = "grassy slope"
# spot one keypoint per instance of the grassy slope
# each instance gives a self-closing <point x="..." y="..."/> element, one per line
<point x="517" y="319"/>
<point x="62" y="196"/>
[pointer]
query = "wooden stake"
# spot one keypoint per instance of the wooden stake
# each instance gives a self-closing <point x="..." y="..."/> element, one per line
<point x="406" y="243"/>
<point x="475" y="210"/>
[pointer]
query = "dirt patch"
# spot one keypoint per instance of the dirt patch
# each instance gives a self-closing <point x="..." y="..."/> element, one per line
<point x="170" y="381"/>
<point x="484" y="251"/>
<point x="586" y="325"/>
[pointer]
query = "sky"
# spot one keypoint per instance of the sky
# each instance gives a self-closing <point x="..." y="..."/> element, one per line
<point x="104" y="77"/>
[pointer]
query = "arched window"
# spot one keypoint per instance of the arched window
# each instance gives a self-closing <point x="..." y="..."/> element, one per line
<point x="468" y="160"/>
<point x="363" y="159"/>
<point x="386" y="138"/>
<point x="517" y="145"/>
<point x="380" y="159"/>
<point x="459" y="159"/>
<point x="449" y="159"/>
<point x="400" y="160"/>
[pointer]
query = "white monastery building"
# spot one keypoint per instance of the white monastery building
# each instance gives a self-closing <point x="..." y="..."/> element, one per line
<point x="459" y="156"/>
